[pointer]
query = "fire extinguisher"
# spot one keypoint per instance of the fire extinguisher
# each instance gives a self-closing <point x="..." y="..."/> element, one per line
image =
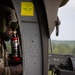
<point x="14" y="47"/>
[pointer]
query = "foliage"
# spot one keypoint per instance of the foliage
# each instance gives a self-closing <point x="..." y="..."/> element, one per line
<point x="63" y="47"/>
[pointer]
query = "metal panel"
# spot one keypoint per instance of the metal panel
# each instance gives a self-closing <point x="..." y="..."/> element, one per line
<point x="18" y="10"/>
<point x="52" y="10"/>
<point x="32" y="49"/>
<point x="31" y="42"/>
<point x="40" y="10"/>
<point x="65" y="72"/>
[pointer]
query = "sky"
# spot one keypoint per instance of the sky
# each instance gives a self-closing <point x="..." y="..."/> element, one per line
<point x="67" y="27"/>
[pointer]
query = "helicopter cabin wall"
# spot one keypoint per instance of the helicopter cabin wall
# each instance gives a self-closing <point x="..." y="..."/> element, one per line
<point x="34" y="36"/>
<point x="52" y="12"/>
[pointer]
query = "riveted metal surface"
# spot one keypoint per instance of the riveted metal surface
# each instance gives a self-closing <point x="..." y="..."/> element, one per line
<point x="32" y="49"/>
<point x="31" y="42"/>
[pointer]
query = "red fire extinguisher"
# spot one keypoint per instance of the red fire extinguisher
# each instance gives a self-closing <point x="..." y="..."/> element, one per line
<point x="14" y="47"/>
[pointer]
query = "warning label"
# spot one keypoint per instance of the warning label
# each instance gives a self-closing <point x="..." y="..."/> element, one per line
<point x="27" y="9"/>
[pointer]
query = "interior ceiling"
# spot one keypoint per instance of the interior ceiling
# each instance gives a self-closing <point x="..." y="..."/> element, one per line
<point x="7" y="3"/>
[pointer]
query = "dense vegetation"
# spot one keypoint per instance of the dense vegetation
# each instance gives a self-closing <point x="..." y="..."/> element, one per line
<point x="63" y="47"/>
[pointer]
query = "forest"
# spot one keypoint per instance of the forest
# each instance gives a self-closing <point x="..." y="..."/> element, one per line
<point x="62" y="47"/>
